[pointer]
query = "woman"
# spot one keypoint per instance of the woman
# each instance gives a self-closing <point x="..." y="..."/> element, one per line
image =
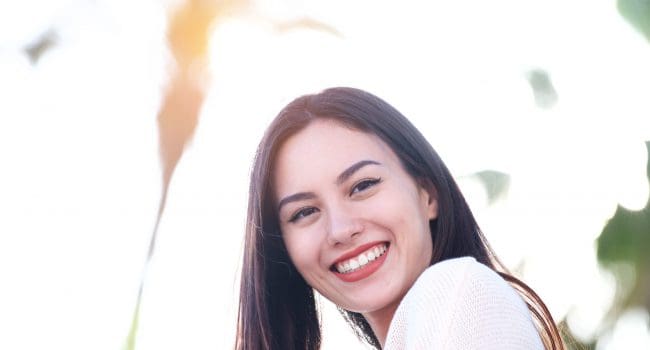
<point x="348" y="198"/>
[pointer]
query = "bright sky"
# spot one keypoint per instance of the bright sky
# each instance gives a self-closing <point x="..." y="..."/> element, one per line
<point x="80" y="178"/>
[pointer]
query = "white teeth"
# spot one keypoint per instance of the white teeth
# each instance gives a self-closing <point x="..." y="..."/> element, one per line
<point x="371" y="255"/>
<point x="361" y="260"/>
<point x="354" y="264"/>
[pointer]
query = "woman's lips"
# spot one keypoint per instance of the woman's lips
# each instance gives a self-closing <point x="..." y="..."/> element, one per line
<point x="361" y="262"/>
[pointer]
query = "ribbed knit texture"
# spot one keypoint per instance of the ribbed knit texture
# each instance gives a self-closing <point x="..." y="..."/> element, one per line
<point x="462" y="304"/>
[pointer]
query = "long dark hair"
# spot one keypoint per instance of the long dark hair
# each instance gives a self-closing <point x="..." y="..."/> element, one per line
<point x="277" y="309"/>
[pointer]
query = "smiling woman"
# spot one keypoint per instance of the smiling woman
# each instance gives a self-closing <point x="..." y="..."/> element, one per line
<point x="349" y="199"/>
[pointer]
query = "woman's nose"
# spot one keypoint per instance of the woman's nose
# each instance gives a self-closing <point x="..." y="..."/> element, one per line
<point x="343" y="226"/>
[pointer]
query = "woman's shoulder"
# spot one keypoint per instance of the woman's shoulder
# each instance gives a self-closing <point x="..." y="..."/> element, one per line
<point x="455" y="270"/>
<point x="448" y="283"/>
<point x="462" y="304"/>
<point x="452" y="274"/>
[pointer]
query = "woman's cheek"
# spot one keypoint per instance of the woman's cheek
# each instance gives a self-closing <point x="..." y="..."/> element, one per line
<point x="303" y="250"/>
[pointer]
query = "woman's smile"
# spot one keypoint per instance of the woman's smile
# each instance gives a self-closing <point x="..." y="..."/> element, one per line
<point x="369" y="252"/>
<point x="361" y="265"/>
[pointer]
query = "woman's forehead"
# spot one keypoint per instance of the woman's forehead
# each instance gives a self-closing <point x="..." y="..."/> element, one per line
<point x="325" y="135"/>
<point x="326" y="148"/>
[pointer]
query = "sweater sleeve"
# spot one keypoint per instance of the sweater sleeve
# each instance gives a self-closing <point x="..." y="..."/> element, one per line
<point x="461" y="304"/>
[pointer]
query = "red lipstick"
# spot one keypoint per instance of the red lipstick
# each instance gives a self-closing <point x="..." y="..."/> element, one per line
<point x="364" y="271"/>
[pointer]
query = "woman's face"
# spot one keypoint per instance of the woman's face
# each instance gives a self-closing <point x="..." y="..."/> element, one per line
<point x="355" y="223"/>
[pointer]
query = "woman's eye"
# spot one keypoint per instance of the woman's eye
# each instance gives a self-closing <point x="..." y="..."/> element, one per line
<point x="302" y="213"/>
<point x="364" y="185"/>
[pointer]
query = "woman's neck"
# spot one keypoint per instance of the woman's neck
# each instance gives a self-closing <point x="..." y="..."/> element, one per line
<point x="379" y="321"/>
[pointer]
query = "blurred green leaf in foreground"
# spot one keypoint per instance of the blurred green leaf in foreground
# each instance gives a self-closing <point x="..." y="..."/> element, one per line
<point x="637" y="12"/>
<point x="624" y="248"/>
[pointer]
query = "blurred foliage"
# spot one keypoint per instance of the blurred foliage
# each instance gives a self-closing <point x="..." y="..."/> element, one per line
<point x="625" y="241"/>
<point x="570" y="340"/>
<point x="41" y="45"/>
<point x="189" y="29"/>
<point x="495" y="182"/>
<point x="133" y="330"/>
<point x="637" y="12"/>
<point x="188" y="32"/>
<point x="543" y="89"/>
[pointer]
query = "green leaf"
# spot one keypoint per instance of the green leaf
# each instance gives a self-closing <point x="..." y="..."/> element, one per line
<point x="637" y="12"/>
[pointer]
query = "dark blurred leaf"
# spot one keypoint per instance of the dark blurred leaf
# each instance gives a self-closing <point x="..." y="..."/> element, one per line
<point x="625" y="239"/>
<point x="637" y="12"/>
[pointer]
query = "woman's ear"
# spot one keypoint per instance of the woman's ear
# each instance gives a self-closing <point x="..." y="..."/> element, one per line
<point x="431" y="195"/>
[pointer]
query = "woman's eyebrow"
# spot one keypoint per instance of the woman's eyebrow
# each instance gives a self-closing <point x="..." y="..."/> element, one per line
<point x="353" y="168"/>
<point x="300" y="196"/>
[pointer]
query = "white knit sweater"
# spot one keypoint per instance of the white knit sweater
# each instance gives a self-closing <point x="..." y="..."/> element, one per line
<point x="462" y="304"/>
